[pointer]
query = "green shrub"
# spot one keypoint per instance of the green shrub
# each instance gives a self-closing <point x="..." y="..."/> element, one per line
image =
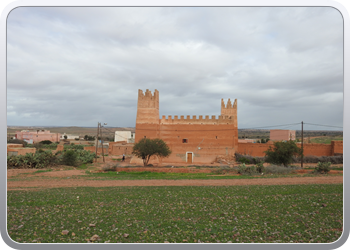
<point x="73" y="147"/>
<point x="17" y="141"/>
<point x="110" y="167"/>
<point x="84" y="156"/>
<point x="323" y="167"/>
<point x="282" y="152"/>
<point x="338" y="159"/>
<point x="45" y="142"/>
<point x="247" y="159"/>
<point x="260" y="167"/>
<point x="246" y="170"/>
<point x="70" y="158"/>
<point x="40" y="159"/>
<point x="274" y="169"/>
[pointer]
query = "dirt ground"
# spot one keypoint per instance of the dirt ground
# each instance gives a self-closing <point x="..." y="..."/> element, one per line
<point x="64" y="177"/>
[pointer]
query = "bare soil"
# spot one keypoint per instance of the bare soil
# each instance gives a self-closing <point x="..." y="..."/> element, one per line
<point x="65" y="180"/>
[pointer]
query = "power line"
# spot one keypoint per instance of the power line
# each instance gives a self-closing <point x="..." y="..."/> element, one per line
<point x="323" y="125"/>
<point x="275" y="126"/>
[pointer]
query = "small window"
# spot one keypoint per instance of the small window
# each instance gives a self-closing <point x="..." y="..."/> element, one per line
<point x="184" y="140"/>
<point x="216" y="137"/>
<point x="144" y="137"/>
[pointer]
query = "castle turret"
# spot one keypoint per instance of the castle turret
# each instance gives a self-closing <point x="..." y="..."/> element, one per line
<point x="147" y="118"/>
<point x="229" y="109"/>
<point x="148" y="107"/>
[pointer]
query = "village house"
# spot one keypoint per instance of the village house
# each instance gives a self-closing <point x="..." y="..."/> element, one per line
<point x="37" y="136"/>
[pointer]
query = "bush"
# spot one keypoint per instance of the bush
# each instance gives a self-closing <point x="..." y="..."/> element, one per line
<point x="260" y="167"/>
<point x="247" y="159"/>
<point x="244" y="170"/>
<point x="73" y="147"/>
<point x="110" y="168"/>
<point x="274" y="169"/>
<point x="323" y="167"/>
<point x="70" y="158"/>
<point x="40" y="159"/>
<point x="282" y="152"/>
<point x="315" y="159"/>
<point x="17" y="141"/>
<point x="45" y="142"/>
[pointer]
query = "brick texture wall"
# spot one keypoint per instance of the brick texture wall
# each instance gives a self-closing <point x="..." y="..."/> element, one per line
<point x="315" y="149"/>
<point x="191" y="139"/>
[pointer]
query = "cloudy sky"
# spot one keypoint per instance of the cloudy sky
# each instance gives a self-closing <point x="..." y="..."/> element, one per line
<point x="70" y="66"/>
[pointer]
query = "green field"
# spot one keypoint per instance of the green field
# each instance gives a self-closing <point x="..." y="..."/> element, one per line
<point x="326" y="139"/>
<point x="294" y="213"/>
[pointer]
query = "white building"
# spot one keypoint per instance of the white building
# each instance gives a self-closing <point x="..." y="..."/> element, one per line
<point x="127" y="136"/>
<point x="69" y="136"/>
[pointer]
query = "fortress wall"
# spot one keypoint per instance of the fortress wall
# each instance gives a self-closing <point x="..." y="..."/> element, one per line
<point x="21" y="150"/>
<point x="337" y="147"/>
<point x="315" y="149"/>
<point x="221" y="119"/>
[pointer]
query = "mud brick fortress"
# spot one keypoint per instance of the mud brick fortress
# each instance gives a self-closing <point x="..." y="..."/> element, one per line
<point x="200" y="140"/>
<point x="191" y="140"/>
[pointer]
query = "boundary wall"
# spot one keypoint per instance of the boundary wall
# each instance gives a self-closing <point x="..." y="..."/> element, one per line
<point x="314" y="149"/>
<point x="18" y="149"/>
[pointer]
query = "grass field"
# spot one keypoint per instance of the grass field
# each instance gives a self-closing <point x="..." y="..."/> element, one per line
<point x="326" y="139"/>
<point x="295" y="213"/>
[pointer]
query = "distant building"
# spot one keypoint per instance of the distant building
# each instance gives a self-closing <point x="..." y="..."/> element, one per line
<point x="282" y="135"/>
<point x="124" y="136"/>
<point x="35" y="136"/>
<point x="69" y="136"/>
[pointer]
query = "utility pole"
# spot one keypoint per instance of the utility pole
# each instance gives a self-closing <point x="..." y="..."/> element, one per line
<point x="103" y="155"/>
<point x="96" y="145"/>
<point x="302" y="143"/>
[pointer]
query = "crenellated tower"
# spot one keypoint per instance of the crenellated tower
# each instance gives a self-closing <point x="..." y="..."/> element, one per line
<point x="148" y="107"/>
<point x="147" y="118"/>
<point x="229" y="109"/>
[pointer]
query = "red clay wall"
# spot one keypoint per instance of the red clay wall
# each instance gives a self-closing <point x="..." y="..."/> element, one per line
<point x="21" y="151"/>
<point x="99" y="150"/>
<point x="212" y="139"/>
<point x="315" y="149"/>
<point x="119" y="149"/>
<point x="337" y="147"/>
<point x="14" y="145"/>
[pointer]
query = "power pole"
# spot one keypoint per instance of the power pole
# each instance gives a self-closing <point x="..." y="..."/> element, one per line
<point x="98" y="130"/>
<point x="103" y="155"/>
<point x="302" y="143"/>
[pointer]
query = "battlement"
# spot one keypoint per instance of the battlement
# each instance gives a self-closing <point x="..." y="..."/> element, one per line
<point x="148" y="107"/>
<point x="229" y="105"/>
<point x="221" y="119"/>
<point x="229" y="109"/>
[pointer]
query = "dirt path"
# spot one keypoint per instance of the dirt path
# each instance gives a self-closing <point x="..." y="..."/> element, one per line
<point x="223" y="182"/>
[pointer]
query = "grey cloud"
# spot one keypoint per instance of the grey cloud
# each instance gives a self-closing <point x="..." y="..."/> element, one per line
<point x="74" y="66"/>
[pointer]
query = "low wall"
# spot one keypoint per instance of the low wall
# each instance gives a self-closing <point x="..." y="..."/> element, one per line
<point x="119" y="149"/>
<point x="14" y="145"/>
<point x="337" y="147"/>
<point x="20" y="151"/>
<point x="165" y="170"/>
<point x="314" y="149"/>
<point x="99" y="150"/>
